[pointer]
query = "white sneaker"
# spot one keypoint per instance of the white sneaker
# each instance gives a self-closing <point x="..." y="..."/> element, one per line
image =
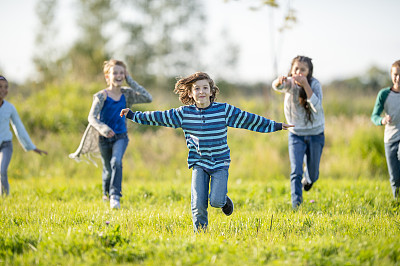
<point x="114" y="202"/>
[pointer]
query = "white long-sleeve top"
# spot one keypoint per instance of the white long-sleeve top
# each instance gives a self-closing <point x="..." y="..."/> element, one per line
<point x="8" y="114"/>
<point x="295" y="113"/>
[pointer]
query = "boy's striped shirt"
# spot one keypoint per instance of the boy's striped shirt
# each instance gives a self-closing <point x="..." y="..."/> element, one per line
<point x="206" y="129"/>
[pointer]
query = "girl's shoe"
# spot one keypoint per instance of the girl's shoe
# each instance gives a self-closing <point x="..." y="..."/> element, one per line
<point x="307" y="184"/>
<point x="105" y="198"/>
<point x="114" y="202"/>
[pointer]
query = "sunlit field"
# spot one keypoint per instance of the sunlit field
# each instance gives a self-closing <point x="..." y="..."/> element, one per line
<point x="55" y="216"/>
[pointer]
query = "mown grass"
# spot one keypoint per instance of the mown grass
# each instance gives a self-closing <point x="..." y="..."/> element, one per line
<point x="55" y="216"/>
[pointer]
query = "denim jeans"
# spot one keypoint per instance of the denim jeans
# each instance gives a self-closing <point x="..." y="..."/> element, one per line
<point x="112" y="150"/>
<point x="203" y="181"/>
<point x="304" y="148"/>
<point x="393" y="162"/>
<point x="6" y="150"/>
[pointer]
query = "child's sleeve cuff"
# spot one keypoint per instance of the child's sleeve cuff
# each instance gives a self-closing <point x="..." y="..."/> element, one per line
<point x="129" y="115"/>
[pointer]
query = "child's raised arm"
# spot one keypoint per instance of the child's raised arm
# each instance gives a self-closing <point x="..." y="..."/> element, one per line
<point x="140" y="94"/>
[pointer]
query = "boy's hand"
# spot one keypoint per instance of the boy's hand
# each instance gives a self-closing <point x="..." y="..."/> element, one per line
<point x="124" y="112"/>
<point x="286" y="126"/>
<point x="386" y="120"/>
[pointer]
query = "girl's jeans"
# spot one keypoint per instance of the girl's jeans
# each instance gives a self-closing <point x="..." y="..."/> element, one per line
<point x="6" y="150"/>
<point x="200" y="188"/>
<point x="310" y="147"/>
<point x="393" y="162"/>
<point x="112" y="150"/>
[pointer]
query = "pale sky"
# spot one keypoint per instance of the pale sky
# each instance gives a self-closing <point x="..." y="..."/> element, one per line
<point x="343" y="37"/>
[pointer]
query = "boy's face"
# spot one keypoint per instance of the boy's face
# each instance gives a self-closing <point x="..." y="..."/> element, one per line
<point x="116" y="76"/>
<point x="3" y="89"/>
<point x="300" y="68"/>
<point x="395" y="73"/>
<point x="201" y="93"/>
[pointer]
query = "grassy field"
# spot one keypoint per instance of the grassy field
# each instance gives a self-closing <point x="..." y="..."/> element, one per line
<point x="55" y="216"/>
<point x="63" y="221"/>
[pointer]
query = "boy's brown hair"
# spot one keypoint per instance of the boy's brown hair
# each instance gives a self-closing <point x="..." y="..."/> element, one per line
<point x="107" y="65"/>
<point x="395" y="64"/>
<point x="184" y="86"/>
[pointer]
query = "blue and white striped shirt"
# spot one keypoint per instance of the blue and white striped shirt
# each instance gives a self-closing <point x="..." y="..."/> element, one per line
<point x="206" y="129"/>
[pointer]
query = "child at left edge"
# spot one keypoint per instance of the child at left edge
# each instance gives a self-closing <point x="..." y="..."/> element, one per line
<point x="8" y="114"/>
<point x="205" y="124"/>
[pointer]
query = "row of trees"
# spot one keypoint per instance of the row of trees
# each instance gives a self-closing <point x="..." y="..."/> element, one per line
<point x="154" y="37"/>
<point x="158" y="39"/>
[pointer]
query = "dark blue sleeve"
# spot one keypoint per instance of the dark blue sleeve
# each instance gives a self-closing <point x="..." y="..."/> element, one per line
<point x="170" y="118"/>
<point x="242" y="119"/>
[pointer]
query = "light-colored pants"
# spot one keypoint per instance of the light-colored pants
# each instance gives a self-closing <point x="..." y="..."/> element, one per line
<point x="6" y="150"/>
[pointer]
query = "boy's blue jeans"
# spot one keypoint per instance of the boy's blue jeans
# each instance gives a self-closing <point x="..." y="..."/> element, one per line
<point x="310" y="147"/>
<point x="112" y="150"/>
<point x="393" y="162"/>
<point x="203" y="181"/>
<point x="6" y="150"/>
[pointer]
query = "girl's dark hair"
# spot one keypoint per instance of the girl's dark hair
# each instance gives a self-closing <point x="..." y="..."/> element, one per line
<point x="302" y="92"/>
<point x="184" y="86"/>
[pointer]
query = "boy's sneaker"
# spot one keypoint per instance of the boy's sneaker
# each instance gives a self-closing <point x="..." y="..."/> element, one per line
<point x="114" y="202"/>
<point x="228" y="208"/>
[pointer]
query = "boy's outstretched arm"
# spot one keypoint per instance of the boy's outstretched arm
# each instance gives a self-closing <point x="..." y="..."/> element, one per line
<point x="245" y="120"/>
<point x="169" y="118"/>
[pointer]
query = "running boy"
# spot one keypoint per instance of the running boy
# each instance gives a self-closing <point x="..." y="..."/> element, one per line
<point x="388" y="100"/>
<point x="205" y="123"/>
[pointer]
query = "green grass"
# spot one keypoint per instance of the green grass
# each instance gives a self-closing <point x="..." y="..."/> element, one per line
<point x="55" y="216"/>
<point x="58" y="221"/>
